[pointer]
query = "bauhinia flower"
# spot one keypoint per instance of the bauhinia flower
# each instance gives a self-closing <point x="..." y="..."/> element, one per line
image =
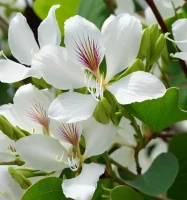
<point x="29" y="110"/>
<point x="179" y="30"/>
<point x="119" y="41"/>
<point x="48" y="154"/>
<point x="24" y="47"/>
<point x="125" y="154"/>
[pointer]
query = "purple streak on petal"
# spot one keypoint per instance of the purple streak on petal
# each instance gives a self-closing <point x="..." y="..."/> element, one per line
<point x="69" y="133"/>
<point x="38" y="114"/>
<point x="88" y="53"/>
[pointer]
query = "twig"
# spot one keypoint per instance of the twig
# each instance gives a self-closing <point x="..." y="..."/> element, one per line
<point x="111" y="6"/>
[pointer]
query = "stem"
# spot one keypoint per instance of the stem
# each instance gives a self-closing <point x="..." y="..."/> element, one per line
<point x="133" y="123"/>
<point x="165" y="30"/>
<point x="138" y="167"/>
<point x="157" y="15"/>
<point x="129" y="173"/>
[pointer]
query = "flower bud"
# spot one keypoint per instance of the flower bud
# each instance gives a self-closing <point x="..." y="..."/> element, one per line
<point x="19" y="178"/>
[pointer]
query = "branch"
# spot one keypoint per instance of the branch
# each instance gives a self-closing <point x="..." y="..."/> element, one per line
<point x="164" y="30"/>
<point x="3" y="24"/>
<point x="111" y="6"/>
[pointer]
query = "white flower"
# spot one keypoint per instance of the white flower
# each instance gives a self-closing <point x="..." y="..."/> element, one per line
<point x="86" y="45"/>
<point x="48" y="154"/>
<point x="29" y="110"/>
<point x="179" y="30"/>
<point x="24" y="47"/>
<point x="125" y="154"/>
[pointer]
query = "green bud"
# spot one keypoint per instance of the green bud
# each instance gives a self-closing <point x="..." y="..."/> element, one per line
<point x="102" y="111"/>
<point x="27" y="172"/>
<point x="158" y="49"/>
<point x="11" y="131"/>
<point x="145" y="42"/>
<point x="137" y="65"/>
<point x="19" y="178"/>
<point x="112" y="101"/>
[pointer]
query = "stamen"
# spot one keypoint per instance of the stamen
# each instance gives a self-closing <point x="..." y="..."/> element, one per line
<point x="60" y="159"/>
<point x="38" y="114"/>
<point x="177" y="42"/>
<point x="73" y="163"/>
<point x="88" y="53"/>
<point x="2" y="54"/>
<point x="70" y="132"/>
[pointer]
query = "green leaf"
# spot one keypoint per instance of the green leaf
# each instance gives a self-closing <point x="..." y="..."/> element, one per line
<point x="178" y="146"/>
<point x="67" y="9"/>
<point x="95" y="11"/>
<point x="46" y="189"/>
<point x="159" y="177"/>
<point x="159" y="113"/>
<point x="103" y="111"/>
<point x="124" y="192"/>
<point x="99" y="191"/>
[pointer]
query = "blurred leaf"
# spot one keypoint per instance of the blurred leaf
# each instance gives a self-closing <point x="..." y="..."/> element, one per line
<point x="46" y="189"/>
<point x="67" y="9"/>
<point x="5" y="94"/>
<point x="178" y="146"/>
<point x="95" y="11"/>
<point x="124" y="192"/>
<point x="159" y="176"/>
<point x="159" y="113"/>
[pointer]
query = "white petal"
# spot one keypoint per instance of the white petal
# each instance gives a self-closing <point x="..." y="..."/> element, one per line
<point x="72" y="107"/>
<point x="83" y="41"/>
<point x="31" y="106"/>
<point x="48" y="31"/>
<point x="179" y="29"/>
<point x="181" y="55"/>
<point x="125" y="157"/>
<point x="83" y="186"/>
<point x="21" y="40"/>
<point x="160" y="147"/>
<point x="11" y="72"/>
<point x="7" y="111"/>
<point x="127" y="132"/>
<point x="98" y="137"/>
<point x="126" y="6"/>
<point x="58" y="69"/>
<point x="69" y="133"/>
<point x="146" y="159"/>
<point x="122" y="39"/>
<point x="6" y="144"/>
<point x="137" y="87"/>
<point x="8" y="186"/>
<point x="41" y="152"/>
<point x="107" y="22"/>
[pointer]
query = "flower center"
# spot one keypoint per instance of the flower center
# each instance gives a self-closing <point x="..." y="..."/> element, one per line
<point x="95" y="87"/>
